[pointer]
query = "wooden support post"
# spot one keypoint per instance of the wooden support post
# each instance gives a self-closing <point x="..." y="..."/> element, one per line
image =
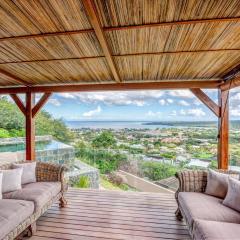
<point x="30" y="111"/>
<point x="30" y="127"/>
<point x="223" y="125"/>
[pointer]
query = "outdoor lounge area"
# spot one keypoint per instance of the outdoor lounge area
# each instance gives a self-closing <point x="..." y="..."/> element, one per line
<point x="61" y="46"/>
<point x="94" y="214"/>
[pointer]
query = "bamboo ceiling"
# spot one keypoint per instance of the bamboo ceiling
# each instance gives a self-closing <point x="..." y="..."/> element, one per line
<point x="55" y="42"/>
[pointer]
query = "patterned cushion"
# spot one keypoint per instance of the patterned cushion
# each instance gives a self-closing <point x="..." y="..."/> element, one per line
<point x="211" y="230"/>
<point x="12" y="213"/>
<point x="40" y="193"/>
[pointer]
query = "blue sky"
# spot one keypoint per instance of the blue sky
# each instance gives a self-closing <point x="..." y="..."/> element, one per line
<point x="171" y="105"/>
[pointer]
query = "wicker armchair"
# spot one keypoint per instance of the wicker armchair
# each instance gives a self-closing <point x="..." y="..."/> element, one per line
<point x="195" y="181"/>
<point x="49" y="172"/>
<point x="45" y="172"/>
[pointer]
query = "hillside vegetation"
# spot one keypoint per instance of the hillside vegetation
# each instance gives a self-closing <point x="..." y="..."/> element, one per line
<point x="12" y="123"/>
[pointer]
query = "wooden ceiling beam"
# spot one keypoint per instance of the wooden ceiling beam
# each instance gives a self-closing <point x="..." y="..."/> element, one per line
<point x="14" y="78"/>
<point x="177" y="23"/>
<point x="231" y="79"/>
<point x="95" y="21"/>
<point x="123" y="55"/>
<point x="40" y="103"/>
<point x="230" y="84"/>
<point x="51" y="34"/>
<point x="206" y="100"/>
<point x="19" y="103"/>
<point x="108" y="29"/>
<point x="211" y="84"/>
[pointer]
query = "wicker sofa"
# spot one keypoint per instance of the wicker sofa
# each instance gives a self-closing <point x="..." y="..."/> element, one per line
<point x="206" y="217"/>
<point x="20" y="209"/>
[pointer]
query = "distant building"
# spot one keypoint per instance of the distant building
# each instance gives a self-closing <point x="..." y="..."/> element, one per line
<point x="171" y="140"/>
<point x="198" y="163"/>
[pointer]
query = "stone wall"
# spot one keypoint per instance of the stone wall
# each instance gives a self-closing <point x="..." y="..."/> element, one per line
<point x="60" y="156"/>
<point x="64" y="155"/>
<point x="83" y="169"/>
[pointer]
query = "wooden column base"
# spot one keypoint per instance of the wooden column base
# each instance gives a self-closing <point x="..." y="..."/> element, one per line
<point x="62" y="202"/>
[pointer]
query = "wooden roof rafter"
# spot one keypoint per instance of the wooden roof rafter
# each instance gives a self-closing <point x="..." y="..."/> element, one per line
<point x="109" y="29"/>
<point x="94" y="19"/>
<point x="13" y="78"/>
<point x="231" y="79"/>
<point x="123" y="55"/>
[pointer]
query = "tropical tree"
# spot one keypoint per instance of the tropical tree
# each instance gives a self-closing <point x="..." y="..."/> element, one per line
<point x="12" y="123"/>
<point x="104" y="140"/>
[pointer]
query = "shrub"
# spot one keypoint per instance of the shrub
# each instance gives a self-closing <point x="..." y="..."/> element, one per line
<point x="104" y="160"/>
<point x="157" y="171"/>
<point x="83" y="182"/>
<point x="4" y="133"/>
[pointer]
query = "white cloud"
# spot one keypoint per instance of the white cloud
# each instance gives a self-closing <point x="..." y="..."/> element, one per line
<point x="235" y="112"/>
<point x="154" y="114"/>
<point x="173" y="113"/>
<point x="183" y="103"/>
<point x="67" y="95"/>
<point x="92" y="113"/>
<point x="234" y="99"/>
<point x="181" y="93"/>
<point x="118" y="98"/>
<point x="195" y="112"/>
<point x="197" y="102"/>
<point x="169" y="100"/>
<point x="164" y="102"/>
<point x="54" y="102"/>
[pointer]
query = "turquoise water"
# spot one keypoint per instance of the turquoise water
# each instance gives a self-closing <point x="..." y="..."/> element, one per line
<point x="51" y="145"/>
<point x="132" y="125"/>
<point x="112" y="125"/>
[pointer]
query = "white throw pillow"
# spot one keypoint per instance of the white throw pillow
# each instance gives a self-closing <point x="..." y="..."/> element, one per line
<point x="29" y="171"/>
<point x="11" y="180"/>
<point x="217" y="184"/>
<point x="1" y="175"/>
<point x="232" y="199"/>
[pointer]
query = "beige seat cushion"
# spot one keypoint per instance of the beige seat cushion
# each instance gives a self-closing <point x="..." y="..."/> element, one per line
<point x="232" y="199"/>
<point x="205" y="207"/>
<point x="217" y="184"/>
<point x="211" y="230"/>
<point x="12" y="213"/>
<point x="40" y="193"/>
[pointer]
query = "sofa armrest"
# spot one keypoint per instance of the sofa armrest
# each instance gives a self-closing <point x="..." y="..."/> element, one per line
<point x="49" y="172"/>
<point x="192" y="180"/>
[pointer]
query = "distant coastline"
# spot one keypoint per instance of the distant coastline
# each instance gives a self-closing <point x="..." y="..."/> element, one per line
<point x="145" y="124"/>
<point x="185" y="123"/>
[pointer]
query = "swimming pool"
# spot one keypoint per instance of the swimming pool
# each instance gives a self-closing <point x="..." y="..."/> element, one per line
<point x="46" y="145"/>
<point x="47" y="150"/>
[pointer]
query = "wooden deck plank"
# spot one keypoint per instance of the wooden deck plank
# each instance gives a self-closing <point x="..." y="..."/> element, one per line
<point x="121" y="207"/>
<point x="97" y="215"/>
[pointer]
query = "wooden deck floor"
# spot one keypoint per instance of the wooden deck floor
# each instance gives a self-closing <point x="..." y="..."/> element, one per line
<point x="95" y="215"/>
